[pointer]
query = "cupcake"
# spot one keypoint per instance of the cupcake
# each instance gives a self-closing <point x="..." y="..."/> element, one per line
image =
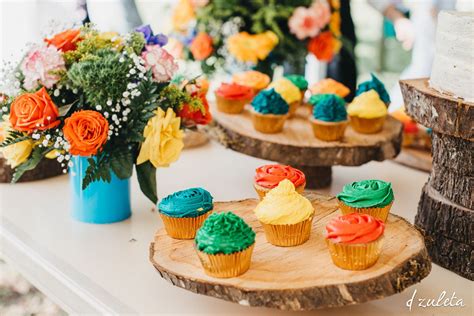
<point x="286" y="215"/>
<point x="330" y="86"/>
<point x="373" y="197"/>
<point x="329" y="119"/>
<point x="354" y="240"/>
<point x="377" y="85"/>
<point x="224" y="245"/>
<point x="289" y="92"/>
<point x="367" y="113"/>
<point x="253" y="79"/>
<point x="300" y="82"/>
<point x="183" y="212"/>
<point x="270" y="112"/>
<point x="269" y="176"/>
<point x="231" y="98"/>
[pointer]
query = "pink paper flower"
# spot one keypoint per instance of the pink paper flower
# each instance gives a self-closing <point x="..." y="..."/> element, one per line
<point x="41" y="66"/>
<point x="161" y="63"/>
<point x="308" y="22"/>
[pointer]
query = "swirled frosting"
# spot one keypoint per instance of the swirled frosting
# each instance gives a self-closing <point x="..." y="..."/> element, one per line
<point x="283" y="206"/>
<point x="354" y="228"/>
<point x="288" y="91"/>
<point x="224" y="233"/>
<point x="367" y="105"/>
<point x="328" y="107"/>
<point x="298" y="81"/>
<point x="234" y="91"/>
<point x="269" y="176"/>
<point x="269" y="102"/>
<point x="253" y="79"/>
<point x="329" y="85"/>
<point x="186" y="203"/>
<point x="374" y="84"/>
<point x="367" y="193"/>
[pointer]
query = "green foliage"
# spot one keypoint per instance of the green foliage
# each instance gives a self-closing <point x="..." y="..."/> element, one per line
<point x="98" y="169"/>
<point x="14" y="137"/>
<point x="146" y="174"/>
<point x="173" y="97"/>
<point x="135" y="43"/>
<point x="37" y="154"/>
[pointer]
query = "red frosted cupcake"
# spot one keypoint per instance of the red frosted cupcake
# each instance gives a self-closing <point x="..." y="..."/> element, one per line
<point x="269" y="176"/>
<point x="231" y="97"/>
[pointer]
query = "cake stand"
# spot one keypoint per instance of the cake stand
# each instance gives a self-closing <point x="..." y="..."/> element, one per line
<point x="415" y="158"/>
<point x="302" y="277"/>
<point x="296" y="146"/>
<point x="446" y="208"/>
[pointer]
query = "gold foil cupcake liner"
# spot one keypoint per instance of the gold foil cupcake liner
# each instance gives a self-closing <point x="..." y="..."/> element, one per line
<point x="293" y="106"/>
<point x="355" y="256"/>
<point x="183" y="227"/>
<point x="288" y="235"/>
<point x="328" y="131"/>
<point x="261" y="191"/>
<point x="230" y="106"/>
<point x="226" y="266"/>
<point x="268" y="123"/>
<point x="367" y="126"/>
<point x="377" y="212"/>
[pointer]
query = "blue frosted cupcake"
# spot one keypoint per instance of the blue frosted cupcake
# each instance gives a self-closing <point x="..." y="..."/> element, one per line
<point x="183" y="212"/>
<point x="329" y="120"/>
<point x="269" y="112"/>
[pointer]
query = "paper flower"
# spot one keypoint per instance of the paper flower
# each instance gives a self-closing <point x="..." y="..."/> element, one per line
<point x="324" y="46"/>
<point x="163" y="139"/>
<point x="201" y="46"/>
<point x="246" y="47"/>
<point x="41" y="66"/>
<point x="183" y="15"/>
<point x="161" y="63"/>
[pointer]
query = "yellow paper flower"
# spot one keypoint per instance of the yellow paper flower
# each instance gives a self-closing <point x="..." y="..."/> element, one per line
<point x="183" y="15"/>
<point x="17" y="153"/>
<point x="163" y="139"/>
<point x="246" y="47"/>
<point x="335" y="23"/>
<point x="265" y="43"/>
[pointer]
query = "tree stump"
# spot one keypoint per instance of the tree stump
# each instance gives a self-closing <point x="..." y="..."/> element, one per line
<point x="298" y="278"/>
<point x="297" y="146"/>
<point x="47" y="168"/>
<point x="446" y="208"/>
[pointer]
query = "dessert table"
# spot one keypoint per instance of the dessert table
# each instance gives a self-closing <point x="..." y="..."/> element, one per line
<point x="103" y="269"/>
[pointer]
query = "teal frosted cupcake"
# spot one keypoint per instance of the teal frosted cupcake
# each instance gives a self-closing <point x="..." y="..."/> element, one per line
<point x="183" y="212"/>
<point x="269" y="112"/>
<point x="224" y="245"/>
<point x="329" y="119"/>
<point x="300" y="82"/>
<point x="377" y="85"/>
<point x="373" y="197"/>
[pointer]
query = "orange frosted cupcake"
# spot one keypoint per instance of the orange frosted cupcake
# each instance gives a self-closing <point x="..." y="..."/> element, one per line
<point x="253" y="79"/>
<point x="269" y="176"/>
<point x="330" y="86"/>
<point x="231" y="97"/>
<point x="354" y="240"/>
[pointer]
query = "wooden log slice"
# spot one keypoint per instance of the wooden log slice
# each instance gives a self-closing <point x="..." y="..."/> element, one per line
<point x="47" y="168"/>
<point x="456" y="187"/>
<point x="415" y="158"/>
<point x="442" y="113"/>
<point x="453" y="153"/>
<point x="194" y="138"/>
<point x="302" y="277"/>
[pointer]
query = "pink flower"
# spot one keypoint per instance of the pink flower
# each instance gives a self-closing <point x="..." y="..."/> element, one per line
<point x="323" y="13"/>
<point x="308" y="22"/>
<point x="199" y="3"/>
<point x="161" y="63"/>
<point x="41" y="66"/>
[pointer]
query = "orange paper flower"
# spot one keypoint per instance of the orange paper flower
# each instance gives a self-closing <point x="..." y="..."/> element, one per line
<point x="201" y="46"/>
<point x="324" y="46"/>
<point x="65" y="41"/>
<point x="86" y="131"/>
<point x="34" y="111"/>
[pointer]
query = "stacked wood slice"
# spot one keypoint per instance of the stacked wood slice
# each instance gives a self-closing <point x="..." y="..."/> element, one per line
<point x="446" y="208"/>
<point x="47" y="168"/>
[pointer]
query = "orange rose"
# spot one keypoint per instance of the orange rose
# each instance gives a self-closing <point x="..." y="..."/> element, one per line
<point x="324" y="46"/>
<point x="86" y="131"/>
<point x="34" y="111"/>
<point x="201" y="46"/>
<point x="65" y="41"/>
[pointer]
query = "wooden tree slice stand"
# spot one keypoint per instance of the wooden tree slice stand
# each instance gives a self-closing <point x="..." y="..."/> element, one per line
<point x="302" y="277"/>
<point x="297" y="146"/>
<point x="446" y="208"/>
<point x="415" y="158"/>
<point x="47" y="168"/>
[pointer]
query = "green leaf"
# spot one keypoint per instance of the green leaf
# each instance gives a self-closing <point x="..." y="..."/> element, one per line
<point x="146" y="174"/>
<point x="122" y="165"/>
<point x="35" y="158"/>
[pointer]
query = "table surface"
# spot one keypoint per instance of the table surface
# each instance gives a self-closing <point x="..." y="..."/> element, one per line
<point x="105" y="269"/>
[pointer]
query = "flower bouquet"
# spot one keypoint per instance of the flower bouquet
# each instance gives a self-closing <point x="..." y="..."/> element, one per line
<point x="100" y="104"/>
<point x="258" y="34"/>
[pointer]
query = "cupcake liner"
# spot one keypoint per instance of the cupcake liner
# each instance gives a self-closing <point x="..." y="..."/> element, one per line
<point x="355" y="256"/>
<point x="367" y="126"/>
<point x="288" y="235"/>
<point x="183" y="227"/>
<point x="377" y="212"/>
<point x="226" y="266"/>
<point x="261" y="191"/>
<point x="268" y="123"/>
<point x="293" y="106"/>
<point x="230" y="106"/>
<point x="328" y="131"/>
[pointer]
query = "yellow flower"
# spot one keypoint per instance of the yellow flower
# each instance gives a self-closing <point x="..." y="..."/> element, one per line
<point x="53" y="154"/>
<point x="335" y="24"/>
<point x="163" y="139"/>
<point x="246" y="47"/>
<point x="183" y="15"/>
<point x="265" y="43"/>
<point x="335" y="4"/>
<point x="112" y="37"/>
<point x="17" y="153"/>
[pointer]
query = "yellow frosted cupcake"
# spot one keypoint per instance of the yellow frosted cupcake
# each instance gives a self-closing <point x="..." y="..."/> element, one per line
<point x="253" y="79"/>
<point x="367" y="113"/>
<point x="289" y="92"/>
<point x="285" y="215"/>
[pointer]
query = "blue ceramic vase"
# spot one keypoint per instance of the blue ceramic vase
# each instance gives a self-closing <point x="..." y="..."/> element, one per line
<point x="100" y="202"/>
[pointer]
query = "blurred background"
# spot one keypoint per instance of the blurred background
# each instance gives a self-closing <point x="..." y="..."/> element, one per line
<point x="395" y="39"/>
